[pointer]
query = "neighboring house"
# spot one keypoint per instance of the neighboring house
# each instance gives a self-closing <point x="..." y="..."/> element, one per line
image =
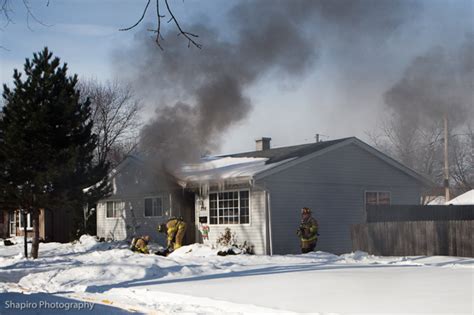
<point x="465" y="199"/>
<point x="53" y="226"/>
<point x="259" y="194"/>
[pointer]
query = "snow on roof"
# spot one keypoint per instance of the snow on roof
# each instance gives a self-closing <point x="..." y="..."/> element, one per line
<point x="464" y="199"/>
<point x="215" y="169"/>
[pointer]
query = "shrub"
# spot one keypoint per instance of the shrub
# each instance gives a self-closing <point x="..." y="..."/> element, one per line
<point x="229" y="239"/>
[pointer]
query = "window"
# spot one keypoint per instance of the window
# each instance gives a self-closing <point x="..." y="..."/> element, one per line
<point x="229" y="207"/>
<point x="377" y="198"/>
<point x="29" y="223"/>
<point x="114" y="209"/>
<point x="153" y="207"/>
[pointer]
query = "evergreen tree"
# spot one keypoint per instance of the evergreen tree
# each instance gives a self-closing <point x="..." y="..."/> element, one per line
<point x="47" y="144"/>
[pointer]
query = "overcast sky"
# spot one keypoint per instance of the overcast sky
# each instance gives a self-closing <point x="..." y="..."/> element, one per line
<point x="359" y="51"/>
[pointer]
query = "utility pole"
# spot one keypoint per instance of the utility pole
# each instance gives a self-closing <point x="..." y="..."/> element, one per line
<point x="446" y="165"/>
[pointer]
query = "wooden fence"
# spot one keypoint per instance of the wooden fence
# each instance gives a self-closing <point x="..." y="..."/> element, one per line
<point x="411" y="238"/>
<point x="419" y="213"/>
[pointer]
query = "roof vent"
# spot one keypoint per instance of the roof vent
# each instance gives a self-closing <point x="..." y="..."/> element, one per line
<point x="263" y="143"/>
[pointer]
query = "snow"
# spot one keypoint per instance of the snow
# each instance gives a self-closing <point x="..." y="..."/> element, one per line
<point x="438" y="201"/>
<point x="222" y="168"/>
<point x="195" y="280"/>
<point x="464" y="199"/>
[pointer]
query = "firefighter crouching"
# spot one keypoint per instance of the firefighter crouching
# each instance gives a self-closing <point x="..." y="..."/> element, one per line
<point x="175" y="229"/>
<point x="140" y="244"/>
<point x="308" y="231"/>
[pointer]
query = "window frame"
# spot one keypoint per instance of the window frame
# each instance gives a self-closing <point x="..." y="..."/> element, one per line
<point x="152" y="207"/>
<point x="378" y="192"/>
<point x="114" y="210"/>
<point x="239" y="207"/>
<point x="29" y="222"/>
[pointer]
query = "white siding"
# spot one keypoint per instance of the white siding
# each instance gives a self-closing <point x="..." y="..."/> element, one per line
<point x="132" y="185"/>
<point x="253" y="233"/>
<point x="110" y="228"/>
<point x="134" y="222"/>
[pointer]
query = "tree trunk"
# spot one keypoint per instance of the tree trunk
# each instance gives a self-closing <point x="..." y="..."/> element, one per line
<point x="35" y="242"/>
<point x="25" y="230"/>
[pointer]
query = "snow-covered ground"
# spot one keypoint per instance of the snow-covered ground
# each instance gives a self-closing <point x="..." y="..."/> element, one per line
<point x="107" y="278"/>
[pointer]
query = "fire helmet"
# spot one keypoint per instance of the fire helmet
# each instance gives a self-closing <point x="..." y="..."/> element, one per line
<point x="305" y="210"/>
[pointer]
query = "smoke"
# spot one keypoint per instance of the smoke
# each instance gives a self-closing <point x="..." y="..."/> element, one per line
<point x="436" y="83"/>
<point x="199" y="94"/>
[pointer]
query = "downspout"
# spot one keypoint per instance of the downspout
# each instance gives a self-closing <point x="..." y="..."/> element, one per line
<point x="269" y="213"/>
<point x="171" y="205"/>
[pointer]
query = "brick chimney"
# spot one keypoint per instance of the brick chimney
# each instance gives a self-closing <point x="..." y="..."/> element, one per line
<point x="263" y="143"/>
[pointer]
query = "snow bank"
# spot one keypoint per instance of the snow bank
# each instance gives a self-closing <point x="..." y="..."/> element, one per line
<point x="195" y="250"/>
<point x="195" y="280"/>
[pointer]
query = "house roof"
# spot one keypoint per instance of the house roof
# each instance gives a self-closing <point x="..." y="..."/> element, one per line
<point x="285" y="153"/>
<point x="465" y="199"/>
<point x="259" y="164"/>
<point x="228" y="169"/>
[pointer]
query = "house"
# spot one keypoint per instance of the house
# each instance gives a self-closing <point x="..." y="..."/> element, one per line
<point x="53" y="226"/>
<point x="465" y="199"/>
<point x="259" y="194"/>
<point x="141" y="199"/>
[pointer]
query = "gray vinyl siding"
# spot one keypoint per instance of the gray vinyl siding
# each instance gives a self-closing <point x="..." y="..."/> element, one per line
<point x="333" y="185"/>
<point x="253" y="232"/>
<point x="132" y="185"/>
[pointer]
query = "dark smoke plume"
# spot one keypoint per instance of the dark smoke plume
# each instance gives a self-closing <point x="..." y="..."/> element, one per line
<point x="199" y="94"/>
<point x="437" y="83"/>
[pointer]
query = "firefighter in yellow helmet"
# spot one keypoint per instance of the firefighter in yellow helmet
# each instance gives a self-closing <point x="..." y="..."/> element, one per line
<point x="140" y="244"/>
<point x="175" y="230"/>
<point x="308" y="231"/>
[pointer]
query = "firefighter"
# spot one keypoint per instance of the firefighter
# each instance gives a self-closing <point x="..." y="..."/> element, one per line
<point x="140" y="244"/>
<point x="175" y="229"/>
<point x="308" y="231"/>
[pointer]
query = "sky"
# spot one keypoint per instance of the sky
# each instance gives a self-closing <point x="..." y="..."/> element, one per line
<point x="300" y="67"/>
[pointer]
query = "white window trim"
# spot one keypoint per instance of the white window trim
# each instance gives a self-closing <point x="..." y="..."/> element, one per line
<point x="377" y="191"/>
<point x="114" y="210"/>
<point x="162" y="207"/>
<point x="12" y="223"/>
<point x="29" y="226"/>
<point x="230" y="224"/>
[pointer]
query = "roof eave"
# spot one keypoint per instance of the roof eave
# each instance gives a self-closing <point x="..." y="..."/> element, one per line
<point x="196" y="183"/>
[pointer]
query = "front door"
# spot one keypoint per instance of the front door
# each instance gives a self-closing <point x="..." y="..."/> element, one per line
<point x="12" y="222"/>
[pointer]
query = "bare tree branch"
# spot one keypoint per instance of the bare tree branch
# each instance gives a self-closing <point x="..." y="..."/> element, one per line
<point x="189" y="36"/>
<point x="181" y="32"/>
<point x="30" y="14"/>
<point x="139" y="20"/>
<point x="6" y="10"/>
<point x="421" y="148"/>
<point x="115" y="116"/>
